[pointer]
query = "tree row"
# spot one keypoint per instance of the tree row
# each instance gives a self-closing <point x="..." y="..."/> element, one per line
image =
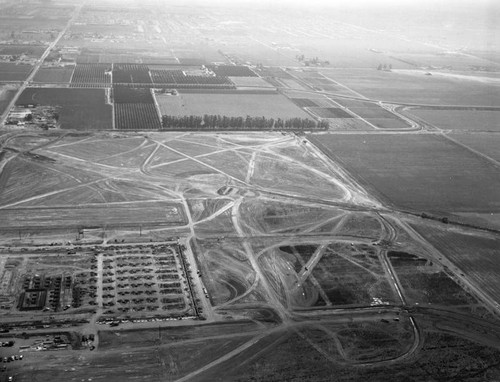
<point x="243" y="123"/>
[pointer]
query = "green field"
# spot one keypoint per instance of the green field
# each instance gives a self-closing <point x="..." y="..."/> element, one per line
<point x="417" y="172"/>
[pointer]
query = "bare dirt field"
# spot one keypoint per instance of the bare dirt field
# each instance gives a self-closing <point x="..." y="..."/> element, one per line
<point x="476" y="256"/>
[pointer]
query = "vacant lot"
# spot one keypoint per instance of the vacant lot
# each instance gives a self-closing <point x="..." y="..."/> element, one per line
<point x="80" y="109"/>
<point x="419" y="172"/>
<point x="425" y="282"/>
<point x="231" y="105"/>
<point x="119" y="216"/>
<point x="476" y="256"/>
<point x="226" y="272"/>
<point x="352" y="275"/>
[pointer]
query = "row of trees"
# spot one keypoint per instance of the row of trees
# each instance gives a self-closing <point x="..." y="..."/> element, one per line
<point x="247" y="123"/>
<point x="384" y="67"/>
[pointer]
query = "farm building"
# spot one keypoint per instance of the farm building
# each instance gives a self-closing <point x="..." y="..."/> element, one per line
<point x="19" y="114"/>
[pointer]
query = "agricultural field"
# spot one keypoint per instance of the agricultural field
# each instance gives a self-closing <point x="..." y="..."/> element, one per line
<point x="354" y="103"/>
<point x="136" y="116"/>
<point x="14" y="72"/>
<point x="124" y="94"/>
<point x="34" y="51"/>
<point x="456" y="62"/>
<point x="54" y="75"/>
<point x="460" y="120"/>
<point x="486" y="144"/>
<point x="414" y="87"/>
<point x="79" y="109"/>
<point x="330" y="112"/>
<point x="230" y="104"/>
<point x="347" y="124"/>
<point x="232" y="70"/>
<point x="91" y="74"/>
<point x="420" y="172"/>
<point x="391" y="123"/>
<point x="304" y="102"/>
<point x="131" y="74"/>
<point x="372" y="113"/>
<point x="249" y="82"/>
<point x="178" y="77"/>
<point x="357" y="253"/>
<point x="7" y="92"/>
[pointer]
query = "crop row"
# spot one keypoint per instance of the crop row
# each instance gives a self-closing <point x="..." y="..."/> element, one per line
<point x="125" y="94"/>
<point x="91" y="74"/>
<point x="131" y="73"/>
<point x="136" y="116"/>
<point x="178" y="77"/>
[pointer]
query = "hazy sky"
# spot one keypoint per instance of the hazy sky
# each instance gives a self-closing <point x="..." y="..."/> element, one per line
<point x="362" y="3"/>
